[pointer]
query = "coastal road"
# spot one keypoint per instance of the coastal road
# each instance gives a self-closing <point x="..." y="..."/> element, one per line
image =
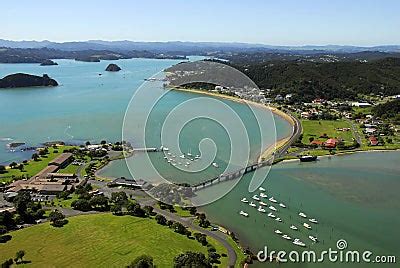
<point x="356" y="134"/>
<point x="297" y="130"/>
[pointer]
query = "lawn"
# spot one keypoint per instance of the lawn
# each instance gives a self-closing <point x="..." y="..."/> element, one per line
<point x="33" y="167"/>
<point x="100" y="240"/>
<point x="316" y="128"/>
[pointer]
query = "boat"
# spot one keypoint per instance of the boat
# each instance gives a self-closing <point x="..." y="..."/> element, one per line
<point x="301" y="214"/>
<point x="299" y="243"/>
<point x="313" y="220"/>
<point x="286" y="237"/>
<point x="272" y="200"/>
<point x="263" y="195"/>
<point x="252" y="204"/>
<point x="272" y="208"/>
<point x="306" y="225"/>
<point x="165" y="149"/>
<point x="214" y="164"/>
<point x="308" y="158"/>
<point x="179" y="163"/>
<point x="282" y="205"/>
<point x="197" y="156"/>
<point x="255" y="197"/>
<point x="165" y="157"/>
<point x="271" y="215"/>
<point x="278" y="219"/>
<point x="243" y="213"/>
<point x="313" y="238"/>
<point x="262" y="203"/>
<point x="278" y="232"/>
<point x="261" y="189"/>
<point x="261" y="209"/>
<point x="293" y="227"/>
<point x="187" y="163"/>
<point x="244" y="200"/>
<point x="182" y="156"/>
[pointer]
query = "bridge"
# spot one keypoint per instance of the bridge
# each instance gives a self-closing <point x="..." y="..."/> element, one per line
<point x="297" y="130"/>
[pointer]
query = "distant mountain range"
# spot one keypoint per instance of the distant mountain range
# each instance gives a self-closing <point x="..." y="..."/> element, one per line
<point x="186" y="47"/>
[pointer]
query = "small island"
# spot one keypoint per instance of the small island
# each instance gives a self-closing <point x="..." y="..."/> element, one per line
<point x="48" y="63"/>
<point x="27" y="80"/>
<point x="113" y="68"/>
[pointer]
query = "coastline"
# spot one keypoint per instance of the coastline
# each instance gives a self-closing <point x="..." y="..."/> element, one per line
<point x="270" y="149"/>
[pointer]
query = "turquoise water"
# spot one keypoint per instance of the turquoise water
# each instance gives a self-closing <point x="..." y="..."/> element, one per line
<point x="86" y="106"/>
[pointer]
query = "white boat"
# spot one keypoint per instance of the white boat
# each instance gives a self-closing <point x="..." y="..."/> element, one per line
<point x="165" y="157"/>
<point x="261" y="189"/>
<point x="282" y="205"/>
<point x="262" y="203"/>
<point x="306" y="225"/>
<point x="244" y="200"/>
<point x="173" y="156"/>
<point x="174" y="164"/>
<point x="187" y="163"/>
<point x="278" y="232"/>
<point x="299" y="243"/>
<point x="165" y="149"/>
<point x="313" y="238"/>
<point x="197" y="156"/>
<point x="272" y="208"/>
<point x="179" y="163"/>
<point x="255" y="197"/>
<point x="278" y="219"/>
<point x="252" y="205"/>
<point x="243" y="213"/>
<point x="169" y="153"/>
<point x="182" y="156"/>
<point x="286" y="237"/>
<point x="313" y="220"/>
<point x="301" y="214"/>
<point x="293" y="227"/>
<point x="263" y="195"/>
<point x="189" y="154"/>
<point x="261" y="209"/>
<point x="215" y="165"/>
<point x="169" y="161"/>
<point x="271" y="215"/>
<point x="272" y="200"/>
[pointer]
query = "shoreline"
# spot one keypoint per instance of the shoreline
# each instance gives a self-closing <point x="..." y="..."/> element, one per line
<point x="270" y="149"/>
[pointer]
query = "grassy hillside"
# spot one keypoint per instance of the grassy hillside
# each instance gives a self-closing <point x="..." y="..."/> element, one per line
<point x="101" y="240"/>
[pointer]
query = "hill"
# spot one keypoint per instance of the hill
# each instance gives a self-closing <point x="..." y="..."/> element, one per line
<point x="27" y="80"/>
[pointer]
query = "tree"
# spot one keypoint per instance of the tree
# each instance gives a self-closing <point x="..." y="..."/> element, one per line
<point x="148" y="210"/>
<point x="161" y="219"/>
<point x="81" y="204"/>
<point x="19" y="256"/>
<point x="191" y="259"/>
<point x="311" y="139"/>
<point x="143" y="261"/>
<point x="35" y="157"/>
<point x="201" y="238"/>
<point x="87" y="143"/>
<point x="119" y="198"/>
<point x="7" y="263"/>
<point x="2" y="169"/>
<point x="103" y="142"/>
<point x="13" y="165"/>
<point x="116" y="209"/>
<point x="99" y="202"/>
<point x="134" y="209"/>
<point x="57" y="219"/>
<point x="179" y="228"/>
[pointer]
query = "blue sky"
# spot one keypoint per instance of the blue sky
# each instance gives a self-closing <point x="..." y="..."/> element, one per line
<point x="277" y="22"/>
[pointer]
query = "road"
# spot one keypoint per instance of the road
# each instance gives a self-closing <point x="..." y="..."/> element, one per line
<point x="356" y="134"/>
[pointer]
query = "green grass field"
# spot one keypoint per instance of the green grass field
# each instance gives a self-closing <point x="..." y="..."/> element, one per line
<point x="101" y="240"/>
<point x="316" y="128"/>
<point x="33" y="167"/>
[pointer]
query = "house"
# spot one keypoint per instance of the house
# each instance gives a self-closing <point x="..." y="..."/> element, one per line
<point x="373" y="141"/>
<point x="62" y="161"/>
<point x="331" y="143"/>
<point x="361" y="104"/>
<point x="317" y="142"/>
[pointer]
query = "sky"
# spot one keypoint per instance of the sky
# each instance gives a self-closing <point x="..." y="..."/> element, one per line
<point x="276" y="22"/>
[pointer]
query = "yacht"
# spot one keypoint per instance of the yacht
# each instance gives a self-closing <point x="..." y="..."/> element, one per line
<point x="272" y="208"/>
<point x="169" y="153"/>
<point x="282" y="205"/>
<point x="189" y="154"/>
<point x="179" y="163"/>
<point x="306" y="225"/>
<point x="278" y="219"/>
<point x="187" y="163"/>
<point x="165" y="157"/>
<point x="197" y="156"/>
<point x="244" y="200"/>
<point x="261" y="189"/>
<point x="313" y="238"/>
<point x="272" y="200"/>
<point x="271" y="215"/>
<point x="263" y="195"/>
<point x="243" y="213"/>
<point x="313" y="220"/>
<point x="299" y="243"/>
<point x="278" y="232"/>
<point x="301" y="214"/>
<point x="262" y="203"/>
<point x="293" y="227"/>
<point x="182" y="156"/>
<point x="255" y="197"/>
<point x="252" y="205"/>
<point x="165" y="149"/>
<point x="261" y="209"/>
<point x="214" y="164"/>
<point x="286" y="237"/>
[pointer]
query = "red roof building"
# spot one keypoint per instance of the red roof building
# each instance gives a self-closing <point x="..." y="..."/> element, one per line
<point x="331" y="143"/>
<point x="373" y="141"/>
<point x="317" y="142"/>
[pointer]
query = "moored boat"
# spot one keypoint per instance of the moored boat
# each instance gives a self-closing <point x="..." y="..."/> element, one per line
<point x="306" y="225"/>
<point x="301" y="214"/>
<point x="299" y="243"/>
<point x="308" y="158"/>
<point x="244" y="200"/>
<point x="271" y="199"/>
<point x="272" y="208"/>
<point x="261" y="209"/>
<point x="293" y="227"/>
<point x="244" y="213"/>
<point x="313" y="238"/>
<point x="252" y="204"/>
<point x="282" y="205"/>
<point x="278" y="232"/>
<point x="313" y="220"/>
